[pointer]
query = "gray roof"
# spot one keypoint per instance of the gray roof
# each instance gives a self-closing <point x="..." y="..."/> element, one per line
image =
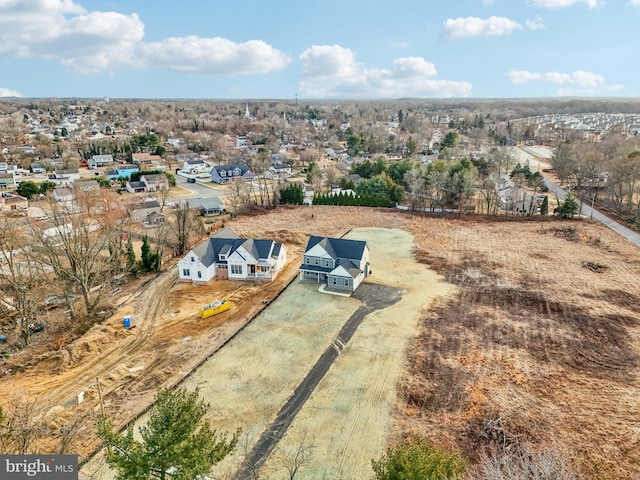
<point x="338" y="247"/>
<point x="226" y="242"/>
<point x="206" y="203"/>
<point x="240" y="166"/>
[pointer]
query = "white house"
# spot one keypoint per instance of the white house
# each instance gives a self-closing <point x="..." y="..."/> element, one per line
<point x="341" y="264"/>
<point x="228" y="256"/>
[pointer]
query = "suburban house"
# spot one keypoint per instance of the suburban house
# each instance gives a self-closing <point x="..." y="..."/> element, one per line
<point x="7" y="181"/>
<point x="135" y="187"/>
<point x="63" y="195"/>
<point x="207" y="206"/>
<point x="86" y="185"/>
<point x="339" y="263"/>
<point x="100" y="161"/>
<point x="231" y="173"/>
<point x="37" y="167"/>
<point x="146" y="161"/>
<point x="278" y="171"/>
<point x="155" y="182"/>
<point x="196" y="166"/>
<point x="144" y="211"/>
<point x="10" y="202"/>
<point x="226" y="255"/>
<point x="65" y="178"/>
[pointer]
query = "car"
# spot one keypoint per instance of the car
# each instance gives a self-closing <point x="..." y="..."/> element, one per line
<point x="36" y="327"/>
<point x="59" y="299"/>
<point x="191" y="180"/>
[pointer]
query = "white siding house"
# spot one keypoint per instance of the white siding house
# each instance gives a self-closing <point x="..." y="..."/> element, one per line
<point x="228" y="256"/>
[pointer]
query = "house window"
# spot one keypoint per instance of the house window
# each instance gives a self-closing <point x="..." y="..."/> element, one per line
<point x="316" y="261"/>
<point x="347" y="282"/>
<point x="326" y="263"/>
<point x="199" y="274"/>
<point x="307" y="260"/>
<point x="193" y="259"/>
<point x="236" y="269"/>
<point x="223" y="173"/>
<point x="186" y="272"/>
<point x="334" y="280"/>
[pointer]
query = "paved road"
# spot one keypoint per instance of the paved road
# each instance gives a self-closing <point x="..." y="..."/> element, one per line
<point x="373" y="297"/>
<point x="199" y="189"/>
<point x="588" y="212"/>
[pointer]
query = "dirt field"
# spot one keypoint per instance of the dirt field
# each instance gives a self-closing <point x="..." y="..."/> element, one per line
<point x="542" y="332"/>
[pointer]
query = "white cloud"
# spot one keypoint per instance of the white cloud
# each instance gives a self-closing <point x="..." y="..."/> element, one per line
<point x="535" y="24"/>
<point x="523" y="76"/>
<point x="565" y="3"/>
<point x="216" y="56"/>
<point x="579" y="82"/>
<point x="62" y="29"/>
<point x="331" y="71"/>
<point x="477" y="27"/>
<point x="634" y="3"/>
<point x="5" y="92"/>
<point x="92" y="42"/>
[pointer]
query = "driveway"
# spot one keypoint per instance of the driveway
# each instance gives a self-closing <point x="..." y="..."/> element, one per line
<point x="589" y="212"/>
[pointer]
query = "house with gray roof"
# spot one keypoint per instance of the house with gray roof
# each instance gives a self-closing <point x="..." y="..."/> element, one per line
<point x="207" y="206"/>
<point x="226" y="255"/>
<point x="339" y="263"/>
<point x="231" y="173"/>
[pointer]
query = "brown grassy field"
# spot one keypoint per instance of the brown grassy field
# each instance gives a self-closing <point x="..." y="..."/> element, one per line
<point x="543" y="333"/>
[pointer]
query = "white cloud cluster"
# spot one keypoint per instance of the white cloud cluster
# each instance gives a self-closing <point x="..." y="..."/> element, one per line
<point x="5" y="92"/>
<point x="579" y="82"/>
<point x="91" y="42"/>
<point x="216" y="56"/>
<point x="477" y="27"/>
<point x="634" y="3"/>
<point x="535" y="24"/>
<point x="580" y="78"/>
<point x="331" y="71"/>
<point x="84" y="41"/>
<point x="566" y="3"/>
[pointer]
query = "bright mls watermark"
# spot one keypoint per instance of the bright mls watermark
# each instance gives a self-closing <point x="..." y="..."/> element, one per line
<point x="45" y="467"/>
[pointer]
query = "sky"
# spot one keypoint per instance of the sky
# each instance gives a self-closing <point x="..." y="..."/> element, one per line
<point x="322" y="49"/>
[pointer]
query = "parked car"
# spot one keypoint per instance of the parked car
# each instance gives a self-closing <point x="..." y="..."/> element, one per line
<point x="58" y="299"/>
<point x="191" y="180"/>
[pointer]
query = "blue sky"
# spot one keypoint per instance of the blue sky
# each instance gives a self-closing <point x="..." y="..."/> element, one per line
<point x="325" y="49"/>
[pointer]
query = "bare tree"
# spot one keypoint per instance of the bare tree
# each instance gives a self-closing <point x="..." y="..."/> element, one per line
<point x="299" y="457"/>
<point x="184" y="228"/>
<point x="22" y="278"/>
<point x="21" y="427"/>
<point x="83" y="248"/>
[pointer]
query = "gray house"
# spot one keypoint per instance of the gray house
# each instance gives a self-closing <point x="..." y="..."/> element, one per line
<point x="339" y="263"/>
<point x="231" y="173"/>
<point x="207" y="206"/>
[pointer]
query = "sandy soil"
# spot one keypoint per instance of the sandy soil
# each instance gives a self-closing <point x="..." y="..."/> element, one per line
<point x="531" y="336"/>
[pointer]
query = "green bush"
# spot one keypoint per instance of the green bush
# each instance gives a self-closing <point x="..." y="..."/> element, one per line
<point x="418" y="460"/>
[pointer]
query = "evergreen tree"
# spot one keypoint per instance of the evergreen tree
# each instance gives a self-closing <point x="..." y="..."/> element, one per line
<point x="176" y="443"/>
<point x="544" y="208"/>
<point x="569" y="208"/>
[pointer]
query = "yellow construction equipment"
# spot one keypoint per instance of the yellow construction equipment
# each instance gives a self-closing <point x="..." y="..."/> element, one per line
<point x="214" y="308"/>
